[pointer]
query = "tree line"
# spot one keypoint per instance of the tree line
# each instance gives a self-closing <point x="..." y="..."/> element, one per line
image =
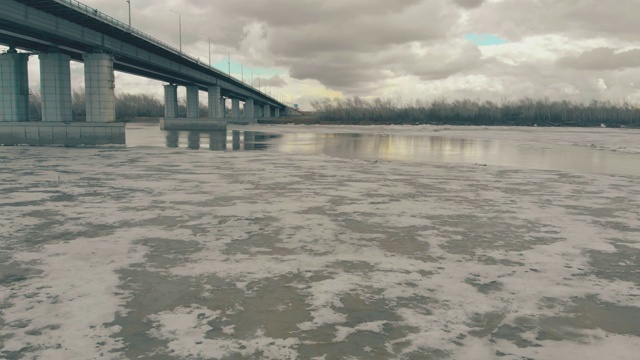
<point x="128" y="106"/>
<point x="522" y="112"/>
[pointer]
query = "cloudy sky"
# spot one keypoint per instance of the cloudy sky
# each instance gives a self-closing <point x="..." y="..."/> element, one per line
<point x="404" y="49"/>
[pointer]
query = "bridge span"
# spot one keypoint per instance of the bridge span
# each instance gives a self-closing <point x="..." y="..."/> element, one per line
<point x="59" y="31"/>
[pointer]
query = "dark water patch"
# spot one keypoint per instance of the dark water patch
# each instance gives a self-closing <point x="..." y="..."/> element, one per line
<point x="420" y="303"/>
<point x="409" y="244"/>
<point x="273" y="306"/>
<point x="427" y="353"/>
<point x="152" y="293"/>
<point x="490" y="260"/>
<point x="589" y="313"/>
<point x="486" y="323"/>
<point x="261" y="237"/>
<point x="592" y="313"/>
<point x="484" y="287"/>
<point x="618" y="226"/>
<point x="168" y="253"/>
<point x="13" y="273"/>
<point x="515" y="332"/>
<point x="16" y="355"/>
<point x="595" y="212"/>
<point x="184" y="221"/>
<point x="263" y="242"/>
<point x="362" y="310"/>
<point x="401" y="240"/>
<point x="472" y="233"/>
<point x="367" y="306"/>
<point x="41" y="331"/>
<point x="575" y="316"/>
<point x="61" y="197"/>
<point x="52" y="232"/>
<point x="623" y="264"/>
<point x="351" y="267"/>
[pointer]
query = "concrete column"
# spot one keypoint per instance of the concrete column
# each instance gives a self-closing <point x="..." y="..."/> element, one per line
<point x="235" y="140"/>
<point x="235" y="108"/>
<point x="276" y="112"/>
<point x="14" y="87"/>
<point x="55" y="87"/>
<point x="171" y="101"/>
<point x="249" y="140"/>
<point x="249" y="107"/>
<point x="193" y="102"/>
<point x="267" y="111"/>
<point x="223" y="108"/>
<point x="257" y="110"/>
<point x="99" y="85"/>
<point x="214" y="102"/>
<point x="218" y="140"/>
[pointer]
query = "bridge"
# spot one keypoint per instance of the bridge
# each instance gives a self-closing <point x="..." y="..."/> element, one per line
<point x="59" y="31"/>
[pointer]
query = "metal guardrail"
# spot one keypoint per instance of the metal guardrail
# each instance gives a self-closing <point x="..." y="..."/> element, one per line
<point x="93" y="12"/>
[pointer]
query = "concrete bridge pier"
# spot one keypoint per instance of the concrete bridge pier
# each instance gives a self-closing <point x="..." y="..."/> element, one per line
<point x="214" y="102"/>
<point x="249" y="140"/>
<point x="235" y="108"/>
<point x="218" y="140"/>
<point x="57" y="126"/>
<point x="55" y="87"/>
<point x="267" y="111"/>
<point x="193" y="102"/>
<point x="276" y="112"/>
<point x="249" y="108"/>
<point x="249" y="112"/>
<point x="170" y="101"/>
<point x="223" y="107"/>
<point x="14" y="89"/>
<point x="100" y="86"/>
<point x="193" y="121"/>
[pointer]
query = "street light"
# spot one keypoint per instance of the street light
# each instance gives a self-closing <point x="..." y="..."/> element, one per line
<point x="209" y="37"/>
<point x="179" y="27"/>
<point x="129" y="2"/>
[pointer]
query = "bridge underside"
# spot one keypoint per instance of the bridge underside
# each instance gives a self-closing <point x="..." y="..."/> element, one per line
<point x="59" y="32"/>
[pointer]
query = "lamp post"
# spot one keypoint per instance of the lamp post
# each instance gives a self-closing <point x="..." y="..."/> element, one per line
<point x="179" y="27"/>
<point x="129" y="2"/>
<point x="208" y="37"/>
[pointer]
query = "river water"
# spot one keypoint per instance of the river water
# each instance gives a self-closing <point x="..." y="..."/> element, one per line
<point x="314" y="243"/>
<point x="393" y="147"/>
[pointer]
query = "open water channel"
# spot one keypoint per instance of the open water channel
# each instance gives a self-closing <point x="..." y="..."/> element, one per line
<point x="411" y="148"/>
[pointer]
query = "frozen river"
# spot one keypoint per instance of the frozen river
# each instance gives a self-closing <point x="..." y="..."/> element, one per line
<point x="316" y="242"/>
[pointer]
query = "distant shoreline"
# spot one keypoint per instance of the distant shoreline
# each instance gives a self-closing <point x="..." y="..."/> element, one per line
<point x="314" y="120"/>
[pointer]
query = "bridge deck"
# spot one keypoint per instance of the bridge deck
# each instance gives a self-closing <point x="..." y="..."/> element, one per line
<point x="135" y="52"/>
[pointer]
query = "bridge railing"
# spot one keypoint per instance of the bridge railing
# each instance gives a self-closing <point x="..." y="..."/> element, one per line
<point x="93" y="12"/>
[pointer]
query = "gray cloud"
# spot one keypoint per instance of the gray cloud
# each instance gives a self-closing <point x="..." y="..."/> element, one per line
<point x="469" y="4"/>
<point x="274" y="81"/>
<point x="415" y="48"/>
<point x="583" y="18"/>
<point x="602" y="59"/>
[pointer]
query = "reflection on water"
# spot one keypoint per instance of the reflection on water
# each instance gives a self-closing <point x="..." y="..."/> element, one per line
<point x="413" y="148"/>
<point x="217" y="140"/>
